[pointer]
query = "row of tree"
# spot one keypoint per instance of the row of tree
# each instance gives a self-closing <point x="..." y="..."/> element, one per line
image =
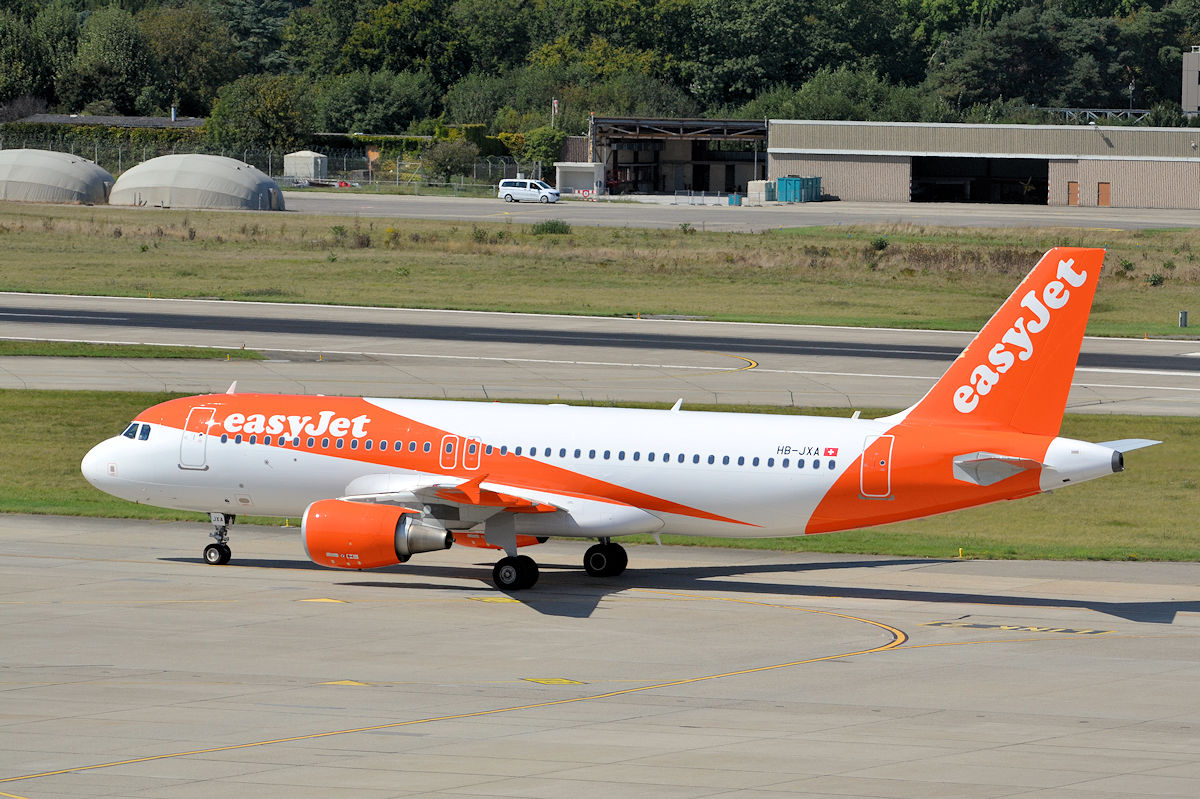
<point x="394" y="66"/>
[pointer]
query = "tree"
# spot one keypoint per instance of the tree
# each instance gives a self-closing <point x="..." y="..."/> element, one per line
<point x="544" y="144"/>
<point x="844" y="93"/>
<point x="113" y="64"/>
<point x="192" y="45"/>
<point x="408" y="35"/>
<point x="378" y="102"/>
<point x="23" y="60"/>
<point x="269" y="111"/>
<point x="450" y="157"/>
<point x="257" y="29"/>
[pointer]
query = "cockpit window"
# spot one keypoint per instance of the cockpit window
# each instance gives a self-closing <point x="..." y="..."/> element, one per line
<point x="145" y="433"/>
<point x="131" y="431"/>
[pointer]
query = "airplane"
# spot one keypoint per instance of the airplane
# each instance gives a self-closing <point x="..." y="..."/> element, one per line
<point x="377" y="481"/>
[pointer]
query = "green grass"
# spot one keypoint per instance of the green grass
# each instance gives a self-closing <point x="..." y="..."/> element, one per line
<point x="1146" y="513"/>
<point x="924" y="277"/>
<point x="79" y="349"/>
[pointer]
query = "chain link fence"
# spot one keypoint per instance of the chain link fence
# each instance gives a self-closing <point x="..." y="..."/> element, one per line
<point x="354" y="166"/>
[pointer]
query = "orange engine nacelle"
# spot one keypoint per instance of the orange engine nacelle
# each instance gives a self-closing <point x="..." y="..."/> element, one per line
<point x="360" y="535"/>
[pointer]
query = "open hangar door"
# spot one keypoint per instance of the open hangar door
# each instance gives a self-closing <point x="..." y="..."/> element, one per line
<point x="980" y="180"/>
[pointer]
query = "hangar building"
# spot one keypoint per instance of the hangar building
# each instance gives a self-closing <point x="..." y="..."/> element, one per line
<point x="46" y="176"/>
<point x="1036" y="164"/>
<point x="197" y="181"/>
<point x="654" y="156"/>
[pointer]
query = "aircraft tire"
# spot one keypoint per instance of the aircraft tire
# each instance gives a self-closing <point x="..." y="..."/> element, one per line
<point x="605" y="560"/>
<point x="217" y="554"/>
<point x="515" y="574"/>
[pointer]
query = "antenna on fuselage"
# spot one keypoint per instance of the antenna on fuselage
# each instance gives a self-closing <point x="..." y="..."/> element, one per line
<point x="678" y="402"/>
<point x="232" y="388"/>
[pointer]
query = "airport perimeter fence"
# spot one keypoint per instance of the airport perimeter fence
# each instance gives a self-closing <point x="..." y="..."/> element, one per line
<point x="351" y="166"/>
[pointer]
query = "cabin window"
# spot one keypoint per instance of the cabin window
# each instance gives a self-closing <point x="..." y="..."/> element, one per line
<point x="725" y="461"/>
<point x="799" y="463"/>
<point x="412" y="446"/>
<point x="237" y="439"/>
<point x="517" y="451"/>
<point x="784" y="463"/>
<point x="427" y="447"/>
<point x="770" y="461"/>
<point x="267" y="440"/>
<point x="340" y="443"/>
<point x="310" y="442"/>
<point x="562" y="453"/>
<point x="224" y="438"/>
<point x="754" y="462"/>
<point x="504" y="449"/>
<point x="712" y="459"/>
<point x="816" y="464"/>
<point x="449" y="447"/>
<point x="487" y="450"/>
<point x="591" y="453"/>
<point x="383" y="444"/>
<point x="695" y="459"/>
<point x="607" y="454"/>
<point x="637" y="456"/>
<point x="253" y="439"/>
<point x="472" y="448"/>
<point x="621" y="455"/>
<point x="831" y="464"/>
<point x="324" y="443"/>
<point x="366" y="444"/>
<point x="354" y="443"/>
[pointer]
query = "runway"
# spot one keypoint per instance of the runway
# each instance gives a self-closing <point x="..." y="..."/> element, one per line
<point x="425" y="353"/>
<point x="667" y="212"/>
<point x="129" y="668"/>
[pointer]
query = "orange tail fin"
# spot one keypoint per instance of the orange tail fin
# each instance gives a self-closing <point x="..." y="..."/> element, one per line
<point x="1016" y="374"/>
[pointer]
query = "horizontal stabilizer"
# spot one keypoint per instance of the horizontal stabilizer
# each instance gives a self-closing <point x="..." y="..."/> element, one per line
<point x="1129" y="444"/>
<point x="988" y="468"/>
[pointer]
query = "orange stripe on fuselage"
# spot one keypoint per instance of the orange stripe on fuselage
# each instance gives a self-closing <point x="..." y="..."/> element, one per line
<point x="282" y="414"/>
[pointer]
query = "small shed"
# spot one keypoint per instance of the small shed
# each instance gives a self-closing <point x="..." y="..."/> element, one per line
<point x="306" y="165"/>
<point x="197" y="181"/>
<point x="46" y="176"/>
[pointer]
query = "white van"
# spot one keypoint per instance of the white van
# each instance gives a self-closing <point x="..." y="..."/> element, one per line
<point x="531" y="190"/>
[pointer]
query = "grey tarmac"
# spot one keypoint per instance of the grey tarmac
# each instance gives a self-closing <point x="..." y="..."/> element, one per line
<point x="457" y="354"/>
<point x="129" y="668"/>
<point x="667" y="212"/>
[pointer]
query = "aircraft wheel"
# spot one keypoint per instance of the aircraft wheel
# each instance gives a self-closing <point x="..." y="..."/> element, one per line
<point x="529" y="565"/>
<point x="515" y="574"/>
<point x="605" y="560"/>
<point x="217" y="554"/>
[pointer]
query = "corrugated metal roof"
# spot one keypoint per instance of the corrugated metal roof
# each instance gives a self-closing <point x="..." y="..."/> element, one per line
<point x="995" y="141"/>
<point x="116" y="122"/>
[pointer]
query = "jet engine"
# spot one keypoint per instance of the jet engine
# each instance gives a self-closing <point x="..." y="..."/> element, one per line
<point x="360" y="535"/>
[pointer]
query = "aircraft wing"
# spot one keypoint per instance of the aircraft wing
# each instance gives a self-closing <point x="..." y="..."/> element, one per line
<point x="418" y="490"/>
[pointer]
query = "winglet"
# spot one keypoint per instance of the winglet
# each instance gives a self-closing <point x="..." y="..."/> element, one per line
<point x="1016" y="374"/>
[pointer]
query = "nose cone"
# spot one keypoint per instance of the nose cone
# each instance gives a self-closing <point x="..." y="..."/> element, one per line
<point x="98" y="468"/>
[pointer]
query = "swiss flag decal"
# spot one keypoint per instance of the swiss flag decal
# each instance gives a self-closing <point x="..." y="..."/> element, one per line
<point x="831" y="452"/>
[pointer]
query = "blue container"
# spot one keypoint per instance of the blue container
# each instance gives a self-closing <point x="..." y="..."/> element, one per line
<point x="792" y="189"/>
<point x="735" y="199"/>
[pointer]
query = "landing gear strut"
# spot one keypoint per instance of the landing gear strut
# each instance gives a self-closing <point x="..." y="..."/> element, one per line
<point x="218" y="554"/>
<point x="605" y="559"/>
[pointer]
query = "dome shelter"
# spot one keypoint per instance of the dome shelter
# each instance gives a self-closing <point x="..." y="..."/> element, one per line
<point x="47" y="176"/>
<point x="197" y="181"/>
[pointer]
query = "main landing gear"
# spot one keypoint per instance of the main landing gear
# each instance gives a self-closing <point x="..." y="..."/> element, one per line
<point x="605" y="559"/>
<point x="515" y="573"/>
<point x="218" y="554"/>
<point x="518" y="572"/>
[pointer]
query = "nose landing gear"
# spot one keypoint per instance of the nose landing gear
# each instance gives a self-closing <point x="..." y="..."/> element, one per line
<point x="218" y="554"/>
